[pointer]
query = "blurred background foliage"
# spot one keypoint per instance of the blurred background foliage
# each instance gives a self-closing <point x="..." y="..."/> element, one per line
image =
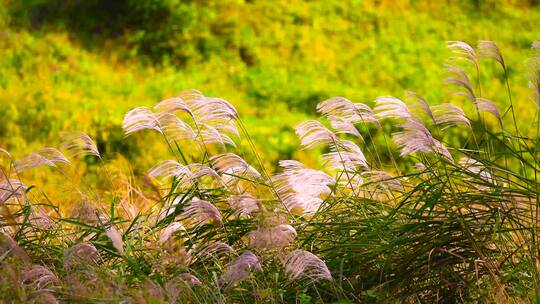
<point x="79" y="65"/>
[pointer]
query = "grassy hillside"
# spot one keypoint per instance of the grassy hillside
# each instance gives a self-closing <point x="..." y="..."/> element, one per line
<point x="274" y="60"/>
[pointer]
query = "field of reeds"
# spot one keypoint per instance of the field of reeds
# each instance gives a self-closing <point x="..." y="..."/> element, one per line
<point x="318" y="151"/>
<point x="418" y="219"/>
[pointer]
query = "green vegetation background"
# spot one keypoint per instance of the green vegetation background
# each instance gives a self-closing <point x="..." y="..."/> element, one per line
<point x="79" y="65"/>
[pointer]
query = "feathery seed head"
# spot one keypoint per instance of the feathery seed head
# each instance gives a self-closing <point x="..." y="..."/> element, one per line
<point x="312" y="134"/>
<point x="39" y="277"/>
<point x="116" y="239"/>
<point x="198" y="171"/>
<point x="79" y="144"/>
<point x="244" y="204"/>
<point x="169" y="230"/>
<point x="390" y="107"/>
<point x="44" y="157"/>
<point x="477" y="168"/>
<point x="459" y="78"/>
<point x="240" y="269"/>
<point x="419" y="167"/>
<point x="463" y="50"/>
<point x="80" y="254"/>
<point x="272" y="238"/>
<point x="231" y="165"/>
<point x="300" y="189"/>
<point x="212" y="118"/>
<point x="138" y="119"/>
<point x="11" y="188"/>
<point x="168" y="168"/>
<point x="200" y="212"/>
<point x="40" y="219"/>
<point x="418" y="101"/>
<point x="415" y="137"/>
<point x="449" y="115"/>
<point x="174" y="128"/>
<point x="345" y="127"/>
<point x="208" y="134"/>
<point x="486" y="105"/>
<point x="488" y="49"/>
<point x="301" y="263"/>
<point x="291" y="164"/>
<point x="215" y="251"/>
<point x="341" y="109"/>
<point x="173" y="105"/>
<point x="345" y="155"/>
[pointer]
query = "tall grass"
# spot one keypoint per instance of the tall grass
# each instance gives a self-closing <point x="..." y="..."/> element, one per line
<point x="421" y="220"/>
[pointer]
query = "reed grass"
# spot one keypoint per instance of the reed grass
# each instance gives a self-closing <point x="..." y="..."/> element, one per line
<point x="422" y="220"/>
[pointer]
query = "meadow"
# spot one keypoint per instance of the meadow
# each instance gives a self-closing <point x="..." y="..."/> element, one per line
<point x="201" y="152"/>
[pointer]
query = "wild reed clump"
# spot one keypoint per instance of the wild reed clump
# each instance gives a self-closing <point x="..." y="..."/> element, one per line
<point x="451" y="217"/>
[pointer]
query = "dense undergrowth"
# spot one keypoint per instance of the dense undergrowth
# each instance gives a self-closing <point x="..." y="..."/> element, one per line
<point x="452" y="218"/>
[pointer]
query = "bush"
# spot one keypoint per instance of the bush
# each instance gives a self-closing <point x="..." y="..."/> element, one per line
<point x="173" y="29"/>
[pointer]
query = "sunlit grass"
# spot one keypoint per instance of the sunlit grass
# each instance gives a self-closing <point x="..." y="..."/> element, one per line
<point x="397" y="211"/>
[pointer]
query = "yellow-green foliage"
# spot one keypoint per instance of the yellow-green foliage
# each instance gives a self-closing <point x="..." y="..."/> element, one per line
<point x="273" y="59"/>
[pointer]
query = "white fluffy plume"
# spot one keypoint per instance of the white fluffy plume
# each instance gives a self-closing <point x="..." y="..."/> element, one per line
<point x="488" y="49"/>
<point x="391" y="107"/>
<point x="240" y="269"/>
<point x="214" y="251"/>
<point x="45" y="157"/>
<point x="488" y="106"/>
<point x="345" y="155"/>
<point x="339" y="109"/>
<point x="169" y="231"/>
<point x="187" y="175"/>
<point x="415" y="137"/>
<point x="449" y="115"/>
<point x="116" y="238"/>
<point x="244" y="204"/>
<point x="304" y="264"/>
<point x="273" y="237"/>
<point x="138" y="119"/>
<point x="174" y="128"/>
<point x="476" y="168"/>
<point x="200" y="212"/>
<point x="79" y="144"/>
<point x="168" y="168"/>
<point x="301" y="189"/>
<point x="463" y="51"/>
<point x="459" y="78"/>
<point x="210" y="120"/>
<point x="312" y="134"/>
<point x="231" y="165"/>
<point x="418" y="101"/>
